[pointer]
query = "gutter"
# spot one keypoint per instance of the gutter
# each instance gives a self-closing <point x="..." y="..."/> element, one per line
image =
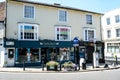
<point x="57" y="6"/>
<point x="5" y="21"/>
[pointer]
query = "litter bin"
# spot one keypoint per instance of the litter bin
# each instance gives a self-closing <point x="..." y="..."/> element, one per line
<point x="84" y="66"/>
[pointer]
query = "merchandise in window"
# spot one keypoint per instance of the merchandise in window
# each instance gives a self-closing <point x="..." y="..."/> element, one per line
<point x="63" y="33"/>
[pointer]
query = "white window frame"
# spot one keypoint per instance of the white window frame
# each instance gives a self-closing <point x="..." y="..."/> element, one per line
<point x="24" y="12"/>
<point x="117" y="19"/>
<point x="87" y="34"/>
<point x="59" y="15"/>
<point x="89" y="20"/>
<point x="108" y="33"/>
<point x="108" y="21"/>
<point x="19" y="31"/>
<point x="59" y="33"/>
<point x="118" y="34"/>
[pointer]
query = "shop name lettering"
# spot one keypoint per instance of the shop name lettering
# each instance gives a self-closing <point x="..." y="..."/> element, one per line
<point x="49" y="43"/>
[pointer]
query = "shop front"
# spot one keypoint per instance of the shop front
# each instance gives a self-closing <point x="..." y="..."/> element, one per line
<point x="34" y="52"/>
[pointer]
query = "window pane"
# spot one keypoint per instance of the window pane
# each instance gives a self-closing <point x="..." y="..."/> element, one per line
<point x="117" y="32"/>
<point x="89" y="19"/>
<point x="89" y="34"/>
<point x="63" y="34"/>
<point x="108" y="34"/>
<point x="29" y="12"/>
<point x="62" y="16"/>
<point x="108" y="21"/>
<point x="28" y="32"/>
<point x="117" y="19"/>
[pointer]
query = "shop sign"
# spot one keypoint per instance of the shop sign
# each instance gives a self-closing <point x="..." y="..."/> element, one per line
<point x="49" y="43"/>
<point x="9" y="43"/>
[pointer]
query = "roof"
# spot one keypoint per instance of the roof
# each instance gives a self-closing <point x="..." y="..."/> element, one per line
<point x="55" y="5"/>
<point x="2" y="11"/>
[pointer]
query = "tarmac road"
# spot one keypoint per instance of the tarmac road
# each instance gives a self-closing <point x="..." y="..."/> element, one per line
<point x="92" y="75"/>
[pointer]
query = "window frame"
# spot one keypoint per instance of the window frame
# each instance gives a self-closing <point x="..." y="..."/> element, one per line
<point x="26" y="24"/>
<point x="108" y="22"/>
<point x="108" y="33"/>
<point x="86" y="35"/>
<point x="24" y="12"/>
<point x="117" y="18"/>
<point x="59" y="33"/>
<point x="89" y="19"/>
<point x="66" y="17"/>
<point x="117" y="34"/>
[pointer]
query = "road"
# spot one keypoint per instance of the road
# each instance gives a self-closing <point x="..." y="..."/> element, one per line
<point x="94" y="75"/>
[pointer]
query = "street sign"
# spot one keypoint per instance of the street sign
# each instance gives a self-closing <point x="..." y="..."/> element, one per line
<point x="75" y="42"/>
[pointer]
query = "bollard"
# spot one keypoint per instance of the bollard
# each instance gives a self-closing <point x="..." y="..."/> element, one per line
<point x="116" y="60"/>
<point x="79" y="66"/>
<point x="42" y="65"/>
<point x="60" y="65"/>
<point x="23" y="65"/>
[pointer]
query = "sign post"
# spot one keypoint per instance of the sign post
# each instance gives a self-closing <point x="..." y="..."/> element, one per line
<point x="76" y="50"/>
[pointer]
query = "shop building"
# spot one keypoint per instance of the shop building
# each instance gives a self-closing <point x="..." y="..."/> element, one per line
<point x="35" y="31"/>
<point x="111" y="35"/>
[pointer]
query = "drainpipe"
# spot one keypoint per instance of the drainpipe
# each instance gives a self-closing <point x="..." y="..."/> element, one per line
<point x="5" y="21"/>
<point x="101" y="29"/>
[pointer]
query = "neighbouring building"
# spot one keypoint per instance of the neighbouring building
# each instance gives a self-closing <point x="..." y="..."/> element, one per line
<point x="111" y="35"/>
<point x="35" y="31"/>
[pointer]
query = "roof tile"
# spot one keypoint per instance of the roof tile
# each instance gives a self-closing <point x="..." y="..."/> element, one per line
<point x="2" y="11"/>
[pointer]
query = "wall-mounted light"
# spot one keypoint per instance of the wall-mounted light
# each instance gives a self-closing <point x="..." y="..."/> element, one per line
<point x="1" y="44"/>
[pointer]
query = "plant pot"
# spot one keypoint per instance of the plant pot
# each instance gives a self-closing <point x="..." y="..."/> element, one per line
<point x="52" y="68"/>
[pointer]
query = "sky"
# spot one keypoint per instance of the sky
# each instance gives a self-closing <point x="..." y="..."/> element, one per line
<point x="100" y="6"/>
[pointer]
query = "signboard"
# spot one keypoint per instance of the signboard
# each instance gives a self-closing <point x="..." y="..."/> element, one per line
<point x="75" y="42"/>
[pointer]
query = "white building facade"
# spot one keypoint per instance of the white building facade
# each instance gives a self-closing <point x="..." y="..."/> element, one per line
<point x="111" y="35"/>
<point x="34" y="31"/>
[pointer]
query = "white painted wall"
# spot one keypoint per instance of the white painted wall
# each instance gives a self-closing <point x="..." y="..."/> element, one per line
<point x="113" y="26"/>
<point x="47" y="18"/>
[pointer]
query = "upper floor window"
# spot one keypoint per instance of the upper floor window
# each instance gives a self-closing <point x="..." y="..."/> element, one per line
<point x="117" y="18"/>
<point x="89" y="19"/>
<point x="28" y="32"/>
<point x="108" y="33"/>
<point x="108" y="21"/>
<point x="89" y="34"/>
<point x="62" y="16"/>
<point x="117" y="32"/>
<point x="63" y="33"/>
<point x="29" y="11"/>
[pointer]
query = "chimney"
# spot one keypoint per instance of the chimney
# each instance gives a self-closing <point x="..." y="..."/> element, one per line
<point x="56" y="4"/>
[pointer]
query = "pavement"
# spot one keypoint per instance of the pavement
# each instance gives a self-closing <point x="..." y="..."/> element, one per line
<point x="38" y="69"/>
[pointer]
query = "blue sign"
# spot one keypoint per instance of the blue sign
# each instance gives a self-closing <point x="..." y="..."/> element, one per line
<point x="75" y="42"/>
